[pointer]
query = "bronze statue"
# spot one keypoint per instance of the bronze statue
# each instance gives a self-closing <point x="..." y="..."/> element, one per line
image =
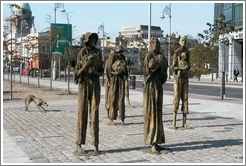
<point x="181" y="66"/>
<point x="116" y="73"/>
<point x="88" y="69"/>
<point x="107" y="74"/>
<point x="155" y="75"/>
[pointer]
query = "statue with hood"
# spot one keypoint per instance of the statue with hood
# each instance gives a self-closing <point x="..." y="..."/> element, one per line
<point x="116" y="75"/>
<point x="88" y="69"/>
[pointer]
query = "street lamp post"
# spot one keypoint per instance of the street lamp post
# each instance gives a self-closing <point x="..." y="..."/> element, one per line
<point x="24" y="23"/>
<point x="167" y="11"/>
<point x="57" y="6"/>
<point x="222" y="91"/>
<point x="68" y="54"/>
<point x="11" y="55"/>
<point x="11" y="51"/>
<point x="28" y="74"/>
<point x="101" y="28"/>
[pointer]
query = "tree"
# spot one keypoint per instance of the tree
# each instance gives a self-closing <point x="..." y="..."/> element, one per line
<point x="31" y="44"/>
<point x="142" y="46"/>
<point x="218" y="32"/>
<point x="10" y="44"/>
<point x="201" y="55"/>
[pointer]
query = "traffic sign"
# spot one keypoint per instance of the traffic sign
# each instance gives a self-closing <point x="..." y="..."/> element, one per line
<point x="61" y="36"/>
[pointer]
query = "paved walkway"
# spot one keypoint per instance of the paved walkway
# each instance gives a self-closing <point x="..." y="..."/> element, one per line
<point x="217" y="133"/>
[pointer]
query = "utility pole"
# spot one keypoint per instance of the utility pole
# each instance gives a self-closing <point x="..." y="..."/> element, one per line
<point x="167" y="11"/>
<point x="222" y="91"/>
<point x="149" y="29"/>
<point x="103" y="54"/>
<point x="25" y="24"/>
<point x="101" y="28"/>
<point x="11" y="52"/>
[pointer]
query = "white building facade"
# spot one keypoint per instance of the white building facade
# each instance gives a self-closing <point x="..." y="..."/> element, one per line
<point x="232" y="54"/>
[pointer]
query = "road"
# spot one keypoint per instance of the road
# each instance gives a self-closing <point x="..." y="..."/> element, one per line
<point x="209" y="89"/>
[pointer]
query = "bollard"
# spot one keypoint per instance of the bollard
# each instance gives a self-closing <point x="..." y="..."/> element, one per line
<point x="199" y="76"/>
<point x="226" y="77"/>
<point x="132" y="82"/>
<point x="212" y="77"/>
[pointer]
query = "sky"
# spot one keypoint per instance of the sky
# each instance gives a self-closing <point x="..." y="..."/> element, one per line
<point x="187" y="18"/>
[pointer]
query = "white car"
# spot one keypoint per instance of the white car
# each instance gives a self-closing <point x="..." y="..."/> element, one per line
<point x="16" y="69"/>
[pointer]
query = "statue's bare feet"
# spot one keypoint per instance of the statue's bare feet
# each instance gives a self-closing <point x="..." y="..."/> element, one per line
<point x="186" y="126"/>
<point x="154" y="149"/>
<point x="96" y="151"/>
<point x="80" y="150"/>
<point x="128" y="104"/>
<point x="174" y="127"/>
<point x="111" y="122"/>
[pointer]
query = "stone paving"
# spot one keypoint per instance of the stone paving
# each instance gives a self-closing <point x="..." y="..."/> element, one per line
<point x="50" y="137"/>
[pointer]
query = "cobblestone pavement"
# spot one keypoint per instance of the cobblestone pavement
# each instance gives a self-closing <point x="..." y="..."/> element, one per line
<point x="50" y="137"/>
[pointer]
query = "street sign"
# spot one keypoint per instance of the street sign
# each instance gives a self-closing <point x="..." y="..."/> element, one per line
<point x="61" y="36"/>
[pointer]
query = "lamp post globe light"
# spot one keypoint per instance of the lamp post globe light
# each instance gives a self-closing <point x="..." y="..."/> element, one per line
<point x="167" y="11"/>
<point x="58" y="6"/>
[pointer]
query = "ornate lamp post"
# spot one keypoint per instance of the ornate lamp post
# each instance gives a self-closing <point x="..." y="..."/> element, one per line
<point x="57" y="6"/>
<point x="11" y="51"/>
<point x="101" y="28"/>
<point x="24" y="24"/>
<point x="167" y="11"/>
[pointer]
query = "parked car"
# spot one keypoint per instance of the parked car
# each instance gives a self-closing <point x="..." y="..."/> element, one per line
<point x="16" y="69"/>
<point x="25" y="72"/>
<point x="43" y="72"/>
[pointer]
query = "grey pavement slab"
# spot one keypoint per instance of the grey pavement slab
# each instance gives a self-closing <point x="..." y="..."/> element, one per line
<point x="12" y="153"/>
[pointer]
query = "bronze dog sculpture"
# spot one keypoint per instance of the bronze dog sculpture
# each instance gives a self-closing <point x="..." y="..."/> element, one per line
<point x="38" y="101"/>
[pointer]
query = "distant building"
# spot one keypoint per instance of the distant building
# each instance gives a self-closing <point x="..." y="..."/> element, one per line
<point x="20" y="29"/>
<point x="44" y="49"/>
<point x="231" y="56"/>
<point x="129" y="32"/>
<point x="23" y="13"/>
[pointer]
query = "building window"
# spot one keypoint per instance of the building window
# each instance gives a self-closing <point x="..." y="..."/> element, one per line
<point x="228" y="14"/>
<point x="238" y="15"/>
<point x="227" y="5"/>
<point x="48" y="49"/>
<point x="43" y="49"/>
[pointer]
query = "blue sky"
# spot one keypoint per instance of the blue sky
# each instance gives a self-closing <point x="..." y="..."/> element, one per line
<point x="187" y="18"/>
